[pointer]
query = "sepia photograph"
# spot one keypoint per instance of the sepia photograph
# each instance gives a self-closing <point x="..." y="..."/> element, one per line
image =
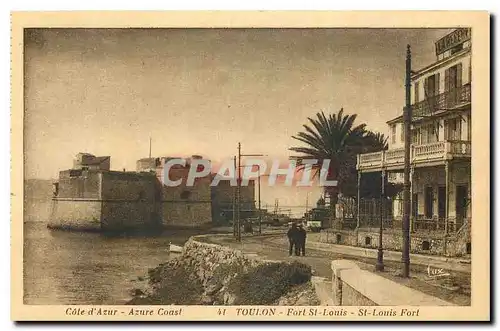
<point x="266" y="172"/>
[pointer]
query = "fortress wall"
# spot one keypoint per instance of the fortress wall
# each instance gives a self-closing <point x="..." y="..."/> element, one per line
<point x="73" y="214"/>
<point x="128" y="200"/>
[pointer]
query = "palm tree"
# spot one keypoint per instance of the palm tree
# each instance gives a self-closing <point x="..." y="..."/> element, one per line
<point x="375" y="142"/>
<point x="336" y="138"/>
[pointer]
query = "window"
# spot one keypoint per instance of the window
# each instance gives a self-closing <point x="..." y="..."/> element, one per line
<point x="393" y="133"/>
<point x="426" y="245"/>
<point x="454" y="129"/>
<point x="403" y="132"/>
<point x="417" y="97"/>
<point x="431" y="85"/>
<point x="368" y="241"/>
<point x="416" y="137"/>
<point x="453" y="77"/>
<point x="431" y="134"/>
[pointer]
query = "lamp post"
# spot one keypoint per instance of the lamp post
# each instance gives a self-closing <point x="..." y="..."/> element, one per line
<point x="380" y="254"/>
<point x="407" y="115"/>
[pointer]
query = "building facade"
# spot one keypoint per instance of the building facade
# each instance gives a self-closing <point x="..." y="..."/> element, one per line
<point x="440" y="148"/>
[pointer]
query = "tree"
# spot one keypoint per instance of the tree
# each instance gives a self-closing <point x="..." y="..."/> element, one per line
<point x="335" y="138"/>
<point x="375" y="141"/>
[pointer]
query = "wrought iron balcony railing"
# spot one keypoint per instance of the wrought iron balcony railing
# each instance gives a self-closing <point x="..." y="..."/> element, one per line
<point x="445" y="101"/>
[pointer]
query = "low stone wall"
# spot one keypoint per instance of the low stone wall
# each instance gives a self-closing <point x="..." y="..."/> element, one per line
<point x="420" y="243"/>
<point x="352" y="286"/>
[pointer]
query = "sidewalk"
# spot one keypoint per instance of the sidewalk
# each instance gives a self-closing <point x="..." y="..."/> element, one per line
<point x="435" y="262"/>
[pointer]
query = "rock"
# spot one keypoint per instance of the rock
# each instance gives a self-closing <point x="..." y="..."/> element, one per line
<point x="303" y="300"/>
<point x="207" y="300"/>
<point x="212" y="287"/>
<point x="137" y="292"/>
<point x="229" y="298"/>
<point x="140" y="278"/>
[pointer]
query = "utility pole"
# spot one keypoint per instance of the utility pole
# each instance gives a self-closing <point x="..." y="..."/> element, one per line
<point x="260" y="212"/>
<point x="238" y="196"/>
<point x="406" y="192"/>
<point x="238" y="191"/>
<point x="234" y="204"/>
<point x="149" y="147"/>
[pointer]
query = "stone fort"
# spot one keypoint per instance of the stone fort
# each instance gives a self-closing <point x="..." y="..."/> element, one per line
<point x="90" y="196"/>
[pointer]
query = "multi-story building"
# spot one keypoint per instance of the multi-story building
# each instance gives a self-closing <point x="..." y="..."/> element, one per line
<point x="441" y="142"/>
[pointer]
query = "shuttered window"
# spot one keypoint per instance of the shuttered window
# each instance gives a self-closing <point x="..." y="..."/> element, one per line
<point x="417" y="97"/>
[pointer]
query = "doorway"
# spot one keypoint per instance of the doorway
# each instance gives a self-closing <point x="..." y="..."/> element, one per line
<point x="442" y="202"/>
<point x="461" y="202"/>
<point x="429" y="202"/>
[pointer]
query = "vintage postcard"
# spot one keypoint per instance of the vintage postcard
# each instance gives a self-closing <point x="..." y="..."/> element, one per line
<point x="250" y="166"/>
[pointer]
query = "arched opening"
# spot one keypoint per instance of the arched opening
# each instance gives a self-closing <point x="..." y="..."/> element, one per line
<point x="368" y="241"/>
<point x="426" y="245"/>
<point x="338" y="238"/>
<point x="468" y="248"/>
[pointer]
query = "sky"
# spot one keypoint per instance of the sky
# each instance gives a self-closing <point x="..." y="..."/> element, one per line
<point x="201" y="91"/>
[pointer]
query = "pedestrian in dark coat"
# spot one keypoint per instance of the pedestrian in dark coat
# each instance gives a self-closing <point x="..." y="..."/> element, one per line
<point x="292" y="235"/>
<point x="301" y="234"/>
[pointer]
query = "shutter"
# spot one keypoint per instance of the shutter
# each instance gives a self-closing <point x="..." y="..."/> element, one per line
<point x="426" y="87"/>
<point x="437" y="78"/>
<point x="447" y="80"/>
<point x="459" y="74"/>
<point x="446" y="88"/>
<point x="446" y="123"/>
<point x="416" y="92"/>
<point x="459" y="128"/>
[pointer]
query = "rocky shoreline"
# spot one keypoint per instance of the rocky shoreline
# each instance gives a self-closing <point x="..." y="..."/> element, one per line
<point x="209" y="274"/>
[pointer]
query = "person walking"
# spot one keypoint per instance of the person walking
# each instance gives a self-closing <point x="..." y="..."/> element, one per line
<point x="292" y="235"/>
<point x="301" y="235"/>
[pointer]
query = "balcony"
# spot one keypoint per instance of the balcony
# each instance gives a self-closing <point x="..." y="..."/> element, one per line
<point x="453" y="99"/>
<point x="420" y="155"/>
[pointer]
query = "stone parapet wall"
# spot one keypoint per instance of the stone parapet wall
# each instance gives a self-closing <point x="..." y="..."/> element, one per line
<point x="352" y="286"/>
